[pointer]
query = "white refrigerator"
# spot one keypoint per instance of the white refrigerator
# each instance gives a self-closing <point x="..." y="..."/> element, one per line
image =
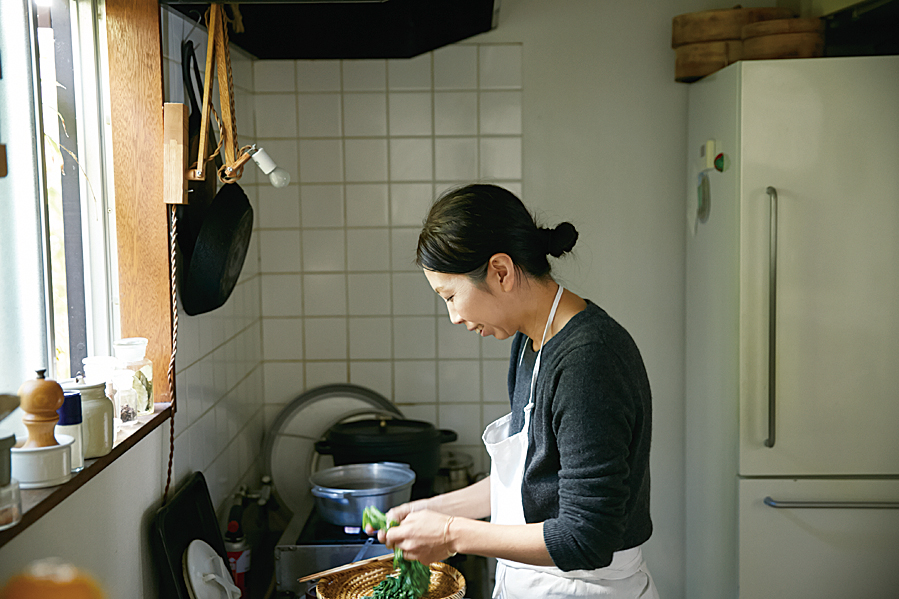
<point x="792" y="331"/>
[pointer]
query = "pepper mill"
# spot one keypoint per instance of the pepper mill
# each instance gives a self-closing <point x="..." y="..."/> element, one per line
<point x="40" y="398"/>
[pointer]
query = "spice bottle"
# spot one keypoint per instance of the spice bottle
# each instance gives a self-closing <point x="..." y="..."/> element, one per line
<point x="132" y="356"/>
<point x="70" y="423"/>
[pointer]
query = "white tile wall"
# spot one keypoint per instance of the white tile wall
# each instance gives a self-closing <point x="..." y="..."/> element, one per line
<point x="364" y="75"/>
<point x="456" y="67"/>
<point x="366" y="160"/>
<point x="330" y="292"/>
<point x="410" y="113"/>
<point x="411" y="159"/>
<point x="277" y="207"/>
<point x="368" y="249"/>
<point x="456" y="113"/>
<point x="317" y="75"/>
<point x="324" y="250"/>
<point x="321" y="161"/>
<point x="366" y="205"/>
<point x="409" y="203"/>
<point x="365" y="114"/>
<point x="369" y="294"/>
<point x="322" y="205"/>
<point x="410" y="74"/>
<point x="276" y="115"/>
<point x="319" y="115"/>
<point x="218" y="368"/>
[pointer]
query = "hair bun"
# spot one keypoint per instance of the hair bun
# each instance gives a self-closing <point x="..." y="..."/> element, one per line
<point x="561" y="239"/>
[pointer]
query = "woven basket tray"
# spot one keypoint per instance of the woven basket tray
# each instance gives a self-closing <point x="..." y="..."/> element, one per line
<point x="446" y="582"/>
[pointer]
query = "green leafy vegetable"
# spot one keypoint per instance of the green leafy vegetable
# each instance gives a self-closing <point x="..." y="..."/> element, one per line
<point x="413" y="577"/>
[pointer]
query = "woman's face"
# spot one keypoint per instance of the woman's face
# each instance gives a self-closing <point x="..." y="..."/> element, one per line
<point x="475" y="307"/>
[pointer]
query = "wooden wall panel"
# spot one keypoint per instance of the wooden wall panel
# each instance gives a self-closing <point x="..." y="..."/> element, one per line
<point x="135" y="73"/>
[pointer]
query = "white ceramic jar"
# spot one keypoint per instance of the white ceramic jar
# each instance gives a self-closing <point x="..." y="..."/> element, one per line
<point x="97" y="412"/>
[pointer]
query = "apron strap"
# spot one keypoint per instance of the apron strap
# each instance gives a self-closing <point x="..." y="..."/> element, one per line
<point x="549" y="321"/>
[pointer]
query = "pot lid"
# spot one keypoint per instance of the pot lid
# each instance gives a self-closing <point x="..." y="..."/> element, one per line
<point x="289" y="452"/>
<point x="455" y="460"/>
<point x="379" y="431"/>
<point x="205" y="573"/>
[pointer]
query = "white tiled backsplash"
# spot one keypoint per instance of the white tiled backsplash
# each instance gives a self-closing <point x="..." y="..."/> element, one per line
<point x="219" y="422"/>
<point x="377" y="141"/>
<point x="336" y="296"/>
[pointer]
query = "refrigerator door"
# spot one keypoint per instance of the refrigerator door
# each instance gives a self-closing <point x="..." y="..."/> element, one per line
<point x="823" y="134"/>
<point x="833" y="552"/>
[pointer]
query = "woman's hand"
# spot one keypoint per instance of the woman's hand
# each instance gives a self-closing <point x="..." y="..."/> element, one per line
<point x="422" y="535"/>
<point x="397" y="514"/>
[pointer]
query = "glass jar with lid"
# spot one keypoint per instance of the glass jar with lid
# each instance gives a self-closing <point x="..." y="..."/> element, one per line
<point x="132" y="356"/>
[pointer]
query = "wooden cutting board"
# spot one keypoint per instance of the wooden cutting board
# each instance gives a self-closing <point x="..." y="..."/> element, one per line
<point x="695" y="61"/>
<point x="720" y="24"/>
<point x="783" y="38"/>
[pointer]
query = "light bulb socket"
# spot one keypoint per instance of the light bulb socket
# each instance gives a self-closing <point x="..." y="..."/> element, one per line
<point x="264" y="161"/>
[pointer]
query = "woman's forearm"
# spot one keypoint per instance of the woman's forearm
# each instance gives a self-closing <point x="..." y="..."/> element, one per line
<point x="472" y="501"/>
<point x="467" y="533"/>
<point x="520" y="543"/>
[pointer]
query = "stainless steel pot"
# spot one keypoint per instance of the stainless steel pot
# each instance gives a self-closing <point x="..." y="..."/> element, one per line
<point x="455" y="472"/>
<point x="343" y="492"/>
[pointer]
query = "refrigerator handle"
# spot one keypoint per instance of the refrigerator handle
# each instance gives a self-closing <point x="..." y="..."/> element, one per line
<point x="772" y="314"/>
<point x="847" y="505"/>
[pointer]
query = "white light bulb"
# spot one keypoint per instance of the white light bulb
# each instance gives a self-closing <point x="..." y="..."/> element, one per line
<point x="279" y="177"/>
<point x="276" y="175"/>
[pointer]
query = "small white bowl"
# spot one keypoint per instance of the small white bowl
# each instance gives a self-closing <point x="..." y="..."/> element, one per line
<point x="38" y="467"/>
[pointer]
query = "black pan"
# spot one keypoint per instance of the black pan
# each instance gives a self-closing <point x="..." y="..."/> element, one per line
<point x="219" y="253"/>
<point x="214" y="228"/>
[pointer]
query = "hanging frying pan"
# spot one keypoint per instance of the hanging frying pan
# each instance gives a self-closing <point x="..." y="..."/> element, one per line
<point x="222" y="229"/>
<point x="219" y="252"/>
<point x="200" y="193"/>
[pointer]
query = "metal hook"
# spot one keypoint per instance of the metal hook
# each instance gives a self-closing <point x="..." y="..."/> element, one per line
<point x="197" y="24"/>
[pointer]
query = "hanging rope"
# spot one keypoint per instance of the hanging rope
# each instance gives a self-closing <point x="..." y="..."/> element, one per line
<point x="173" y="238"/>
<point x="219" y="53"/>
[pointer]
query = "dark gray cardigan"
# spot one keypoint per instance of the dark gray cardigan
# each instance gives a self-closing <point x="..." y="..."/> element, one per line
<point x="587" y="470"/>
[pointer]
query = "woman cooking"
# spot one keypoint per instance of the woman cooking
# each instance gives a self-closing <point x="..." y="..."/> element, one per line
<point x="568" y="491"/>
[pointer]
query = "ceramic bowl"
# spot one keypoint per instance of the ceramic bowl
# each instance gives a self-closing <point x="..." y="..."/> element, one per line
<point x="38" y="467"/>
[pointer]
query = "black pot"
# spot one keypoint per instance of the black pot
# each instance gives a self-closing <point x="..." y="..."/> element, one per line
<point x="410" y="442"/>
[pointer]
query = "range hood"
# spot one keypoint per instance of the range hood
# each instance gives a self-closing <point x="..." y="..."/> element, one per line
<point x="317" y="29"/>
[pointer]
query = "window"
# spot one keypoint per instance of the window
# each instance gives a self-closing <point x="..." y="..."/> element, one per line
<point x="56" y="233"/>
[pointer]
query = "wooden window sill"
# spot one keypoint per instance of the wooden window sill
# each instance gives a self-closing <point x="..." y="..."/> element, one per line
<point x="37" y="502"/>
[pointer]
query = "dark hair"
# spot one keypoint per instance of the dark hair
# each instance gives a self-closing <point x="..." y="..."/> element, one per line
<point x="468" y="225"/>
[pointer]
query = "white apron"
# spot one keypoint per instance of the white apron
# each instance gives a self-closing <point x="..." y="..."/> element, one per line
<point x="627" y="575"/>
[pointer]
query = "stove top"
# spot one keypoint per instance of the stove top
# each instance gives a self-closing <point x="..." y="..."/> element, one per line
<point x="317" y="531"/>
